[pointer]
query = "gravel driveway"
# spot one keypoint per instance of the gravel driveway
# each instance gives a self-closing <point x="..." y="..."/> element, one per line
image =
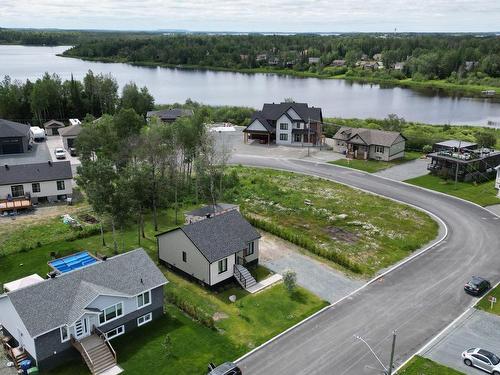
<point x="475" y="329"/>
<point x="324" y="281"/>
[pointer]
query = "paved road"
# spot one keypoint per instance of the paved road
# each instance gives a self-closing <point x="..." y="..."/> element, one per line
<point x="475" y="329"/>
<point x="418" y="299"/>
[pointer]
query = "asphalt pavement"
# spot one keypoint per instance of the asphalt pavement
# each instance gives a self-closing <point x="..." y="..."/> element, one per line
<point x="418" y="299"/>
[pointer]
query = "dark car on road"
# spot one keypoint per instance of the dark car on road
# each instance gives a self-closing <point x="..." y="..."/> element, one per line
<point x="228" y="368"/>
<point x="477" y="286"/>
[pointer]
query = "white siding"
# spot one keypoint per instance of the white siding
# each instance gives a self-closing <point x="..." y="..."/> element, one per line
<point x="497" y="182"/>
<point x="293" y="114"/>
<point x="215" y="276"/>
<point x="257" y="126"/>
<point x="10" y="319"/>
<point x="47" y="189"/>
<point x="255" y="255"/>
<point x="172" y="244"/>
<point x="284" y="120"/>
<point x="397" y="151"/>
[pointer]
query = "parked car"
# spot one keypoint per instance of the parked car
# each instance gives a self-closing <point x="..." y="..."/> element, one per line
<point x="477" y="286"/>
<point x="60" y="153"/>
<point x="482" y="359"/>
<point x="228" y="368"/>
<point x="72" y="151"/>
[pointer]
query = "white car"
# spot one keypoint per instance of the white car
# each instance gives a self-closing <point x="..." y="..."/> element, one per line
<point x="60" y="153"/>
<point x="482" y="359"/>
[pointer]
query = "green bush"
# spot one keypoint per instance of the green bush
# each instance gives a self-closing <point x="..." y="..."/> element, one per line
<point x="305" y="243"/>
<point x="192" y="310"/>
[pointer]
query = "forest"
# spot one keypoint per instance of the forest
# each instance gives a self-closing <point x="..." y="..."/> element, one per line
<point x="458" y="59"/>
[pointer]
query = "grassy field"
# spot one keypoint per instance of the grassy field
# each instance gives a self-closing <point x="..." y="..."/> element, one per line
<point x="483" y="194"/>
<point x="423" y="366"/>
<point x="370" y="231"/>
<point x="373" y="166"/>
<point x="485" y="305"/>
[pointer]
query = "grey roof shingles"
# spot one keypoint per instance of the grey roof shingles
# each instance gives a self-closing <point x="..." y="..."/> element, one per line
<point x="171" y="114"/>
<point x="221" y="235"/>
<point x="13" y="129"/>
<point x="370" y="136"/>
<point x="70" y="131"/>
<point x="36" y="172"/>
<point x="52" y="303"/>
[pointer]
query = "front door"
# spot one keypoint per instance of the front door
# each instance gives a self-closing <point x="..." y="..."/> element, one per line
<point x="82" y="328"/>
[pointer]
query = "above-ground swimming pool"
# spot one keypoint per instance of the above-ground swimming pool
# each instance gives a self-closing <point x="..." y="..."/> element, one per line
<point x="72" y="262"/>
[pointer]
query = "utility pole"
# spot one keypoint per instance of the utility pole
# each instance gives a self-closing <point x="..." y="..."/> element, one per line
<point x="456" y="169"/>
<point x="308" y="136"/>
<point x="392" y="352"/>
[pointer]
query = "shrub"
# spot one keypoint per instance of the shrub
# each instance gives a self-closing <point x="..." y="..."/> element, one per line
<point x="427" y="149"/>
<point x="290" y="280"/>
<point x="192" y="310"/>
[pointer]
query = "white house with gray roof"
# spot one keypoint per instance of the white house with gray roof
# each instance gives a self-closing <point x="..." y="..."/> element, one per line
<point x="361" y="143"/>
<point x="80" y="311"/>
<point x="49" y="181"/>
<point x="212" y="250"/>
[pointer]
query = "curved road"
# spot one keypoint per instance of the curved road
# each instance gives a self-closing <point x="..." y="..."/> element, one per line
<point x="418" y="299"/>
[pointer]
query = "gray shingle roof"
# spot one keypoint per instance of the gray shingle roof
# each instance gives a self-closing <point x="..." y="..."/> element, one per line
<point x="210" y="209"/>
<point x="55" y="302"/>
<point x="221" y="236"/>
<point x="37" y="172"/>
<point x="53" y="124"/>
<point x="70" y="131"/>
<point x="171" y="114"/>
<point x="370" y="136"/>
<point x="13" y="129"/>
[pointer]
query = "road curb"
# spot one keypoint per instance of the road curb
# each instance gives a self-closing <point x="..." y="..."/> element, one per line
<point x="393" y="268"/>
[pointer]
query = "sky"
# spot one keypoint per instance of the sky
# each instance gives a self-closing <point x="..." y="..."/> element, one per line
<point x="256" y="15"/>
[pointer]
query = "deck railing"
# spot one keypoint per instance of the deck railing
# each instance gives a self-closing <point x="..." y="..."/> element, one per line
<point x="102" y="335"/>
<point x="239" y="276"/>
<point x="83" y="352"/>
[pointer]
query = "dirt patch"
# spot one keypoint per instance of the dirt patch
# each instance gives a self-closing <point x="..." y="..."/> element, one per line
<point x="219" y="316"/>
<point x="340" y="234"/>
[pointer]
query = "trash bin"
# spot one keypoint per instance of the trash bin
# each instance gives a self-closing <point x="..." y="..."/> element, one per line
<point x="33" y="371"/>
<point x="25" y="365"/>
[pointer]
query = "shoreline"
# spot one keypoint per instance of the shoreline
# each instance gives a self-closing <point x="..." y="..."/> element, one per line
<point x="439" y="86"/>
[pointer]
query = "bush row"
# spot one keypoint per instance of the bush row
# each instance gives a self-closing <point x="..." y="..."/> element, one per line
<point x="305" y="243"/>
<point x="190" y="309"/>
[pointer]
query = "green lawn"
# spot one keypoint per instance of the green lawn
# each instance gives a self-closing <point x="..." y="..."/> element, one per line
<point x="485" y="305"/>
<point x="373" y="234"/>
<point x="423" y="366"/>
<point x="373" y="166"/>
<point x="483" y="194"/>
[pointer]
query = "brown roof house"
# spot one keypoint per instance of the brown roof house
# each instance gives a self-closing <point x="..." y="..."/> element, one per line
<point x="360" y="143"/>
<point x="52" y="127"/>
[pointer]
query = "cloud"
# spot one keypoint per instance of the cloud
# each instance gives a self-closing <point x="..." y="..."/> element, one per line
<point x="257" y="15"/>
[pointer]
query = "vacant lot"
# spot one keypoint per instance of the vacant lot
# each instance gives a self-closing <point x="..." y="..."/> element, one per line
<point x="423" y="366"/>
<point x="332" y="220"/>
<point x="483" y="194"/>
<point x="373" y="166"/>
<point x="485" y="304"/>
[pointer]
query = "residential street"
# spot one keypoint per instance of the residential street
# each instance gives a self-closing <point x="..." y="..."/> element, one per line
<point x="419" y="299"/>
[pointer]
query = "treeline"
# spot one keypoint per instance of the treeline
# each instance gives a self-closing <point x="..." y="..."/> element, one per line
<point x="130" y="168"/>
<point x="58" y="37"/>
<point x="423" y="57"/>
<point x="52" y="98"/>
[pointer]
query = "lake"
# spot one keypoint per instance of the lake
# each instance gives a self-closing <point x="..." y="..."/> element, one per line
<point x="337" y="98"/>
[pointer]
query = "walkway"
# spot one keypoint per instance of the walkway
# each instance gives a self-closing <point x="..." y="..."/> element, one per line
<point x="267" y="282"/>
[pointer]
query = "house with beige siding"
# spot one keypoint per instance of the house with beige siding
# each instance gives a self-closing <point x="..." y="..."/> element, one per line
<point x="212" y="250"/>
<point x="360" y="143"/>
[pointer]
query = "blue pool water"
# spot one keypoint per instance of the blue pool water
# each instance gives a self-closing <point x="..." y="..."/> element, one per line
<point x="72" y="262"/>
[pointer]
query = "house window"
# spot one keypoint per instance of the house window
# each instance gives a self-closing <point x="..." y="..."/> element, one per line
<point x="184" y="256"/>
<point x="296" y="138"/>
<point x="298" y="125"/>
<point x="60" y="185"/>
<point x="283" y="126"/>
<point x="144" y="299"/>
<point x="250" y="249"/>
<point x="111" y="313"/>
<point x="223" y="265"/>
<point x="283" y="137"/>
<point x="64" y="333"/>
<point x="144" y="319"/>
<point x="35" y="187"/>
<point x="379" y="149"/>
<point x="17" y="190"/>
<point x="118" y="331"/>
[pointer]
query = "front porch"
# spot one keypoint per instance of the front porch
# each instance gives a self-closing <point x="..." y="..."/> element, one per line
<point x="357" y="151"/>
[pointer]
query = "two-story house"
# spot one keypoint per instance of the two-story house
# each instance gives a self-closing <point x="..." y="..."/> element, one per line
<point x="79" y="311"/>
<point x="286" y="124"/>
<point x="212" y="250"/>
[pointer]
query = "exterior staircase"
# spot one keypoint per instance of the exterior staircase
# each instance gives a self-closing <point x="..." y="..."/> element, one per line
<point x="97" y="353"/>
<point x="243" y="276"/>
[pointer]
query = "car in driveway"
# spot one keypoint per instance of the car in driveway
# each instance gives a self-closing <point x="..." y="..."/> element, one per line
<point x="477" y="286"/>
<point x="60" y="153"/>
<point x="227" y="368"/>
<point x="482" y="359"/>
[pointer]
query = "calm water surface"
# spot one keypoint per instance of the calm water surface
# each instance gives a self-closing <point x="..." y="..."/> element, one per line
<point x="337" y="97"/>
